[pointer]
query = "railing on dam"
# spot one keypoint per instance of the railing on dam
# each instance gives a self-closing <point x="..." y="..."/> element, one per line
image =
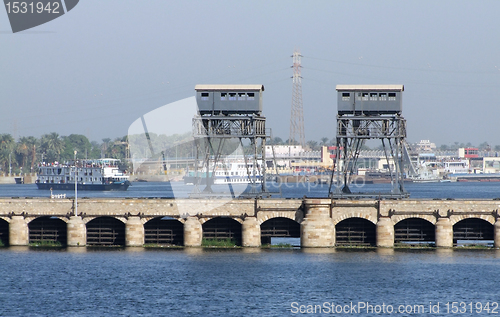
<point x="249" y="222"/>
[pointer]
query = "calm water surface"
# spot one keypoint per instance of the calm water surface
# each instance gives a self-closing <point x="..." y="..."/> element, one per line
<point x="239" y="282"/>
<point x="145" y="282"/>
<point x="479" y="190"/>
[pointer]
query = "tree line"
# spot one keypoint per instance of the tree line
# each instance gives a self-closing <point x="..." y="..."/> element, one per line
<point x="23" y="155"/>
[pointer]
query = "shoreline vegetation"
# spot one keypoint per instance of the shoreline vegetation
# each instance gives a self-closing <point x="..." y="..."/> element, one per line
<point x="23" y="154"/>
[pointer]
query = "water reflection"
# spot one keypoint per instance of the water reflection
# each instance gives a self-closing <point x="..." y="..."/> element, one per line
<point x="319" y="250"/>
<point x="76" y="249"/>
<point x="385" y="251"/>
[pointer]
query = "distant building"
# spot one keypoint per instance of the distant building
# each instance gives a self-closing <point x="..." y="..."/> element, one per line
<point x="284" y="150"/>
<point x="425" y="146"/>
<point x="468" y="152"/>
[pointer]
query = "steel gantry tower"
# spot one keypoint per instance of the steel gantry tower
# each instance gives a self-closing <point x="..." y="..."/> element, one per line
<point x="227" y="114"/>
<point x="369" y="112"/>
<point x="297" y="112"/>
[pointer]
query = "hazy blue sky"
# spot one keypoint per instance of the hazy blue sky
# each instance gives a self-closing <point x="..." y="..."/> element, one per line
<point x="102" y="65"/>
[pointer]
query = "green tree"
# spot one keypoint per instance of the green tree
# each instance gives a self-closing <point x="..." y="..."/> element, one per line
<point x="6" y="147"/>
<point x="22" y="151"/>
<point x="33" y="144"/>
<point x="76" y="142"/>
<point x="324" y="141"/>
<point x="52" y="145"/>
<point x="313" y="145"/>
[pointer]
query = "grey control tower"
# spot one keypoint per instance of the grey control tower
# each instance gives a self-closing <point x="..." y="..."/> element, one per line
<point x="228" y="114"/>
<point x="368" y="112"/>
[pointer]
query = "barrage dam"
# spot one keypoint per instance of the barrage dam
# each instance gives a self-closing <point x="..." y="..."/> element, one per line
<point x="320" y="223"/>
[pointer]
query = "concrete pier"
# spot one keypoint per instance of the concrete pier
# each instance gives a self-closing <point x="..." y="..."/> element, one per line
<point x="193" y="232"/>
<point x="497" y="234"/>
<point x="77" y="232"/>
<point x="250" y="232"/>
<point x="134" y="232"/>
<point x="385" y="232"/>
<point x="317" y="229"/>
<point x="18" y="231"/>
<point x="444" y="233"/>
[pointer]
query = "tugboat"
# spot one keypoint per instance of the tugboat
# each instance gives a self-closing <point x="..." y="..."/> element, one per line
<point x="101" y="175"/>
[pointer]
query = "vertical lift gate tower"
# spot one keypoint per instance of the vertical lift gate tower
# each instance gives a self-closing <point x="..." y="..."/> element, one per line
<point x="228" y="112"/>
<point x="369" y="112"/>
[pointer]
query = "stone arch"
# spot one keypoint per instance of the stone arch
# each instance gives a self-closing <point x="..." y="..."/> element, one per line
<point x="457" y="218"/>
<point x="4" y="232"/>
<point x="372" y="218"/>
<point x="473" y="228"/>
<point x="89" y="219"/>
<point x="206" y="219"/>
<point x="355" y="231"/>
<point x="105" y="231"/>
<point x="145" y="219"/>
<point x="31" y="218"/>
<point x="265" y="216"/>
<point x="429" y="218"/>
<point x="282" y="227"/>
<point x="414" y="230"/>
<point x="47" y="229"/>
<point x="164" y="231"/>
<point x="221" y="228"/>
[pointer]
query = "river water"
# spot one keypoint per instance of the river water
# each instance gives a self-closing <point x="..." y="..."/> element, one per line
<point x="141" y="282"/>
<point x="250" y="282"/>
<point x="457" y="190"/>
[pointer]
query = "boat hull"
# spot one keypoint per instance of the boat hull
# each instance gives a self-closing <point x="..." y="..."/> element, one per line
<point x="94" y="187"/>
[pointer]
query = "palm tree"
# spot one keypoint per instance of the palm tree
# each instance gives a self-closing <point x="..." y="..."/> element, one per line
<point x="6" y="145"/>
<point x="324" y="141"/>
<point x="33" y="144"/>
<point x="22" y="151"/>
<point x="312" y="145"/>
<point x="53" y="145"/>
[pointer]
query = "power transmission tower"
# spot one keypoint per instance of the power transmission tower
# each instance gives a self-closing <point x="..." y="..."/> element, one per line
<point x="297" y="113"/>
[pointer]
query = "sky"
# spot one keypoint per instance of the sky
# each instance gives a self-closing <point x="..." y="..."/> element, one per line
<point x="104" y="64"/>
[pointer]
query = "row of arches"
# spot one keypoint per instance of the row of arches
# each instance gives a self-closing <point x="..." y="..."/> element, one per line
<point x="109" y="231"/>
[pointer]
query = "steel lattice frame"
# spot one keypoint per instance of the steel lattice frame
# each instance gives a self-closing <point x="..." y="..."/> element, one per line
<point x="297" y="111"/>
<point x="352" y="131"/>
<point x="206" y="129"/>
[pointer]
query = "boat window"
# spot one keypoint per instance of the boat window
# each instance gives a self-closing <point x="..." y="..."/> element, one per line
<point x="204" y="96"/>
<point x="346" y="96"/>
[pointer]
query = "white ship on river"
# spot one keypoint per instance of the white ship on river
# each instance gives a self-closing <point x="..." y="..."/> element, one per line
<point x="100" y="175"/>
<point x="227" y="172"/>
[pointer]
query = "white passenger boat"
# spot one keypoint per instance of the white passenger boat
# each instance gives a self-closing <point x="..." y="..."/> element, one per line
<point x="236" y="172"/>
<point x="100" y="175"/>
